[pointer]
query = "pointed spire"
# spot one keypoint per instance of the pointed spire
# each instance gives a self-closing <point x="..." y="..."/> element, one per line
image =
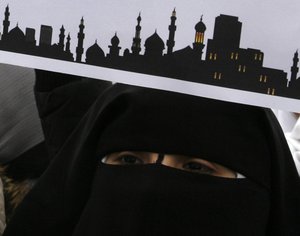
<point x="80" y="36"/>
<point x="172" y="28"/>
<point x="6" y="23"/>
<point x="136" y="43"/>
<point x="68" y="43"/>
<point x="174" y="12"/>
<point x="139" y="18"/>
<point x="201" y="18"/>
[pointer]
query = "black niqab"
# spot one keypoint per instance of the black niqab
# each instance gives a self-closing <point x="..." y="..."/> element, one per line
<point x="79" y="195"/>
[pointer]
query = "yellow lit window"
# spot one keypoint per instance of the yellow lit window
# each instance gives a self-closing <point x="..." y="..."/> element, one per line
<point x="215" y="75"/>
<point x="273" y="91"/>
<point x="255" y="56"/>
<point x="260" y="57"/>
<point x="215" y="56"/>
<point x="236" y="56"/>
<point x="210" y="56"/>
<point x="269" y="90"/>
<point x="260" y="78"/>
<point x="199" y="38"/>
<point x="265" y="79"/>
<point x="244" y="68"/>
<point x="240" y="68"/>
<point x="232" y="56"/>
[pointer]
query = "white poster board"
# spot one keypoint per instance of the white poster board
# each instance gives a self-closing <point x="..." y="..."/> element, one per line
<point x="241" y="51"/>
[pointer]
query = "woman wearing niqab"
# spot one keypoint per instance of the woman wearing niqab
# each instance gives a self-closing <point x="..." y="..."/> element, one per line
<point x="82" y="194"/>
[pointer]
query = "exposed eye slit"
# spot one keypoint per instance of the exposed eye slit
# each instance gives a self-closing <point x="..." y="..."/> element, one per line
<point x="189" y="164"/>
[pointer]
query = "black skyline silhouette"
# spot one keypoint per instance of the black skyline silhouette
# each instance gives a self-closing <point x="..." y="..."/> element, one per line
<point x="225" y="63"/>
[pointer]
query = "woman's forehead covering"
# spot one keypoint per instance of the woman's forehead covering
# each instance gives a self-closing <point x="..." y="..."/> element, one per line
<point x="151" y="120"/>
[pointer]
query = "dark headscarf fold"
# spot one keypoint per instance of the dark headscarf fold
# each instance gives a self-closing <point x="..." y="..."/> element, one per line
<point x="244" y="138"/>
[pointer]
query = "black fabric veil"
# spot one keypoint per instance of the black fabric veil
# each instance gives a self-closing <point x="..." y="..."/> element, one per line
<point x="68" y="200"/>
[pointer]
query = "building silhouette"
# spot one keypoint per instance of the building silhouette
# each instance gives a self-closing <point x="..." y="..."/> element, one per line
<point x="68" y="44"/>
<point x="238" y="66"/>
<point x="46" y="36"/>
<point x="198" y="44"/>
<point x="62" y="36"/>
<point x="114" y="49"/>
<point x="136" y="44"/>
<point x="15" y="40"/>
<point x="95" y="55"/>
<point x="224" y="64"/>
<point x="294" y="83"/>
<point x="80" y="36"/>
<point x="6" y="23"/>
<point x="172" y="29"/>
<point x="154" y="46"/>
<point x="30" y="36"/>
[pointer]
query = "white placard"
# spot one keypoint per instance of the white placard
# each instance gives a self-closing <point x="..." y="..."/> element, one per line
<point x="261" y="52"/>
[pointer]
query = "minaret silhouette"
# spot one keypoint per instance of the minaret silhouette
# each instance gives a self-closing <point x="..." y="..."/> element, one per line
<point x="172" y="29"/>
<point x="136" y="44"/>
<point x="295" y="68"/>
<point x="61" y="43"/>
<point x="198" y="44"/>
<point x="6" y="23"/>
<point x="68" y="44"/>
<point x="79" y="48"/>
<point x="114" y="49"/>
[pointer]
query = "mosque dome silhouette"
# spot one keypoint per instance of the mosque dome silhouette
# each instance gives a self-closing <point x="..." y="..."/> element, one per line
<point x="16" y="34"/>
<point x="154" y="43"/>
<point x="115" y="40"/>
<point x="94" y="54"/>
<point x="200" y="26"/>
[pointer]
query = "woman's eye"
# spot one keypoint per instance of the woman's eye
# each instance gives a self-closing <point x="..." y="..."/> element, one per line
<point x="129" y="160"/>
<point x="197" y="167"/>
